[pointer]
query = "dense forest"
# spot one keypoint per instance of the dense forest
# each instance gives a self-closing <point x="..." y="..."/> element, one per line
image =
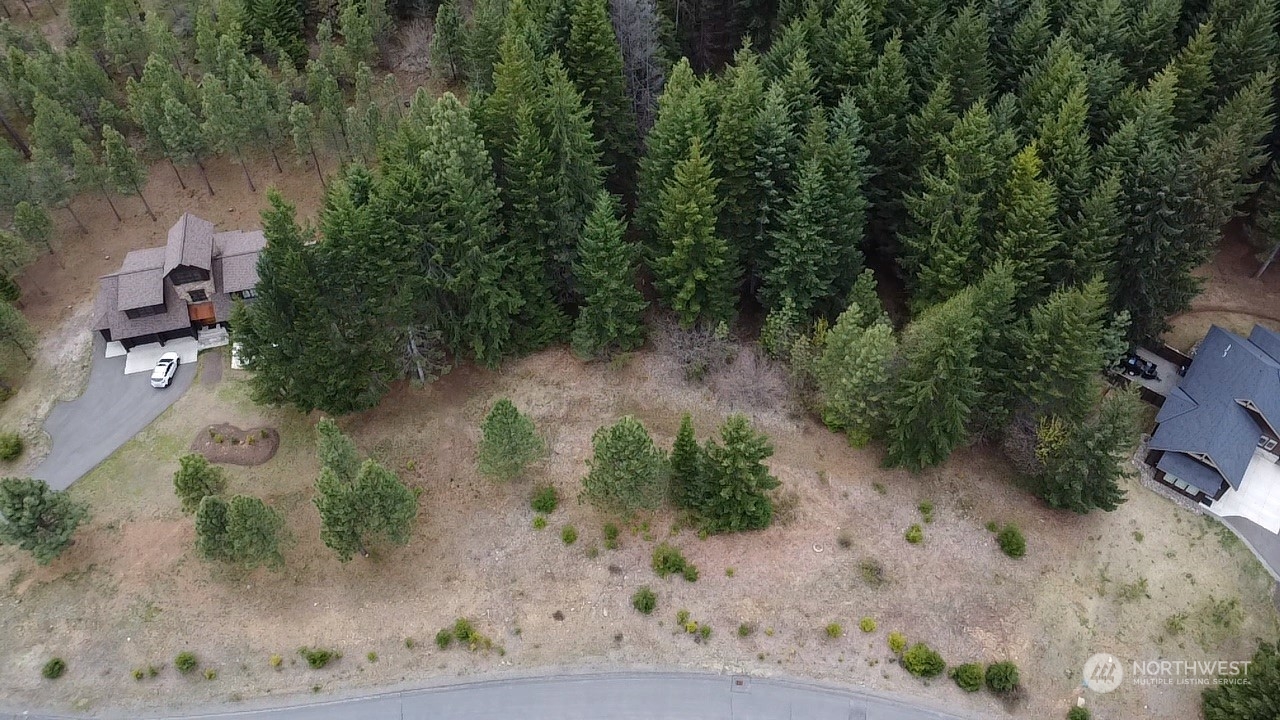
<point x="1042" y="177"/>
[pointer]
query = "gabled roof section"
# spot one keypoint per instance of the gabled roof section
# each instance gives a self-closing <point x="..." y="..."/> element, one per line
<point x="1267" y="340"/>
<point x="190" y="243"/>
<point x="235" y="261"/>
<point x="1192" y="472"/>
<point x="1207" y="415"/>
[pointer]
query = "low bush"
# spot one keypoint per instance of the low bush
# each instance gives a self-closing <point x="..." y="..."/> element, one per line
<point x="867" y="624"/>
<point x="569" y="535"/>
<point x="872" y="572"/>
<point x="897" y="642"/>
<point x="210" y="674"/>
<point x="834" y="630"/>
<point x="139" y="673"/>
<point x="539" y="522"/>
<point x="968" y="676"/>
<point x="745" y="629"/>
<point x="1011" y="541"/>
<point x="372" y="657"/>
<point x="610" y="536"/>
<point x="545" y="500"/>
<point x="444" y="638"/>
<point x="54" y="668"/>
<point x="923" y="661"/>
<point x="10" y="446"/>
<point x="915" y="534"/>
<point x="682" y="617"/>
<point x="410" y="642"/>
<point x="668" y="559"/>
<point x="704" y="632"/>
<point x="318" y="657"/>
<point x="1002" y="677"/>
<point x="926" y="510"/>
<point x="644" y="600"/>
<point x="185" y="662"/>
<point x="276" y="661"/>
<point x="1079" y="713"/>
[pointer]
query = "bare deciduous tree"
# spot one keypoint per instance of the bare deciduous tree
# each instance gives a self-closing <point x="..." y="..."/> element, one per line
<point x="635" y="22"/>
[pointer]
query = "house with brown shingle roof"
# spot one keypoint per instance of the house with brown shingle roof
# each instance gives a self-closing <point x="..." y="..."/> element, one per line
<point x="163" y="293"/>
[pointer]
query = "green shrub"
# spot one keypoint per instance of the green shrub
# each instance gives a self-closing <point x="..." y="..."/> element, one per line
<point x="834" y="630"/>
<point x="318" y="657"/>
<point x="139" y="673"/>
<point x="1012" y="542"/>
<point x="54" y="668"/>
<point x="682" y="617"/>
<point x="867" y="624"/>
<point x="1079" y="713"/>
<point x="610" y="536"/>
<point x="926" y="510"/>
<point x="10" y="446"/>
<point x="915" y="534"/>
<point x="410" y="642"/>
<point x="443" y="638"/>
<point x="872" y="572"/>
<point x="1002" y="677"/>
<point x="992" y="526"/>
<point x="968" y="676"/>
<point x="185" y="662"/>
<point x="704" y="632"/>
<point x="729" y="572"/>
<point x="668" y="559"/>
<point x="569" y="535"/>
<point x="464" y="631"/>
<point x="545" y="500"/>
<point x="210" y="674"/>
<point x="923" y="661"/>
<point x="897" y="642"/>
<point x="539" y="522"/>
<point x="372" y="657"/>
<point x="276" y="661"/>
<point x="644" y="600"/>
<point x="746" y="629"/>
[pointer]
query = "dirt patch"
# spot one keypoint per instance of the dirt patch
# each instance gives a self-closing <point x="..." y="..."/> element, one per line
<point x="229" y="445"/>
<point x="121" y="597"/>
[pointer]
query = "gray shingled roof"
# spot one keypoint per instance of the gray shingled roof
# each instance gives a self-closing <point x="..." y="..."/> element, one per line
<point x="190" y="243"/>
<point x="1191" y="471"/>
<point x="122" y="327"/>
<point x="235" y="264"/>
<point x="139" y="289"/>
<point x="1205" y="415"/>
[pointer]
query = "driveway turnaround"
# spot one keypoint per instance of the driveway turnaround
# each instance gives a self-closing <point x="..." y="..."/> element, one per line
<point x="113" y="408"/>
<point x="612" y="696"/>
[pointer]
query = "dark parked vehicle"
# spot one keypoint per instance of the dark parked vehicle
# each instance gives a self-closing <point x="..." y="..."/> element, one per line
<point x="1134" y="366"/>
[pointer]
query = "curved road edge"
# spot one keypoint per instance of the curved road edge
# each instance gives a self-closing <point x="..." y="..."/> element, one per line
<point x="595" y="696"/>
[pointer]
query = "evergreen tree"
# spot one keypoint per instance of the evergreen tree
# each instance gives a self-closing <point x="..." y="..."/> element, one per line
<point x="1083" y="464"/>
<point x="1064" y="348"/>
<point x="1246" y="44"/>
<point x="124" y="169"/>
<point x="777" y="150"/>
<point x="375" y="507"/>
<point x="801" y="266"/>
<point x="446" y="41"/>
<point x="854" y="374"/>
<point x="89" y="173"/>
<point x="196" y="479"/>
<point x="943" y="244"/>
<point x="124" y="40"/>
<point x="224" y="122"/>
<point x="741" y="91"/>
<point x="1093" y="235"/>
<point x="594" y="63"/>
<point x="682" y="117"/>
<point x="626" y="471"/>
<point x="212" y="541"/>
<point x="302" y="124"/>
<point x="963" y="57"/>
<point x="612" y="318"/>
<point x="1000" y="366"/>
<point x="1194" y="67"/>
<point x="1062" y="140"/>
<point x="937" y="386"/>
<point x="731" y="495"/>
<point x="508" y="442"/>
<point x="244" y="530"/>
<point x="686" y="465"/>
<point x="33" y="224"/>
<point x="884" y="103"/>
<point x="336" y="451"/>
<point x="1257" y="700"/>
<point x="264" y="109"/>
<point x="480" y="44"/>
<point x="55" y="129"/>
<point x="1048" y="83"/>
<point x="1029" y="40"/>
<point x="279" y="19"/>
<point x="1027" y="236"/>
<point x="696" y="279"/>
<point x="1153" y="36"/>
<point x="50" y="187"/>
<point x="15" y="330"/>
<point x="847" y="53"/>
<point x="844" y="161"/>
<point x="799" y="86"/>
<point x="37" y="519"/>
<point x="184" y="139"/>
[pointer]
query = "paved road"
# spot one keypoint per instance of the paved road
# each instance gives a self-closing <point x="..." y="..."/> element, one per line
<point x="613" y="696"/>
<point x="113" y="408"/>
<point x="1264" y="543"/>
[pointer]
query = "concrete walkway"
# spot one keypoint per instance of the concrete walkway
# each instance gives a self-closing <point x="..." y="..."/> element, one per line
<point x="613" y="696"/>
<point x="113" y="408"/>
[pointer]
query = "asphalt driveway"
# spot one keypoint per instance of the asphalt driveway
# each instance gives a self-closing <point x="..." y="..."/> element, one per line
<point x="613" y="696"/>
<point x="113" y="408"/>
<point x="1264" y="543"/>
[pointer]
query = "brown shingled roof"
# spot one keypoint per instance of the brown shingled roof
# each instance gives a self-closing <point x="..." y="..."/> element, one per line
<point x="190" y="243"/>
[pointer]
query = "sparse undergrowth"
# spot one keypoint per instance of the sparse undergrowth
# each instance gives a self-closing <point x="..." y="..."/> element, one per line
<point x="318" y="657"/>
<point x="644" y="600"/>
<point x="185" y="662"/>
<point x="54" y="669"/>
<point x="668" y="560"/>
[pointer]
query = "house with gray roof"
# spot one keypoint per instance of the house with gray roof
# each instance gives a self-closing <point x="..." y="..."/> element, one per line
<point x="168" y="292"/>
<point x="1222" y="417"/>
